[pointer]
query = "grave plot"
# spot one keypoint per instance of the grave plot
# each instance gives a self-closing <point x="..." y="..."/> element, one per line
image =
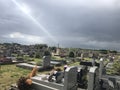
<point x="77" y="78"/>
<point x="82" y="77"/>
<point x="58" y="62"/>
<point x="45" y="65"/>
<point x="27" y="66"/>
<point x="70" y="82"/>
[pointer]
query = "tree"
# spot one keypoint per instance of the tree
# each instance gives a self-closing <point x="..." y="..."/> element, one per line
<point x="71" y="54"/>
<point x="40" y="46"/>
<point x="38" y="55"/>
<point x="47" y="53"/>
<point x="103" y="51"/>
<point x="115" y="52"/>
<point x="53" y="49"/>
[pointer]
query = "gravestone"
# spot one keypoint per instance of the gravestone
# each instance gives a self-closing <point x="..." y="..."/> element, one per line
<point x="82" y="56"/>
<point x="82" y="77"/>
<point x="93" y="62"/>
<point x="45" y="66"/>
<point x="70" y="78"/>
<point x="87" y="63"/>
<point x="46" y="61"/>
<point x="117" y="85"/>
<point x="93" y="81"/>
<point x="79" y="76"/>
<point x="60" y="78"/>
<point x="111" y="85"/>
<point x="111" y="58"/>
<point x="101" y="67"/>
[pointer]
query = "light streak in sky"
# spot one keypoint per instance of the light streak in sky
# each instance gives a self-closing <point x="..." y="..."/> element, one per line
<point x="26" y="10"/>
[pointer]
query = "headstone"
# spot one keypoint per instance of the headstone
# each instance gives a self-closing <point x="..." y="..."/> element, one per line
<point x="104" y="83"/>
<point x="87" y="63"/>
<point x="111" y="58"/>
<point x="118" y="85"/>
<point x="93" y="81"/>
<point x="58" y="51"/>
<point x="101" y="68"/>
<point x="46" y="61"/>
<point x="60" y="78"/>
<point x="82" y="56"/>
<point x="107" y="85"/>
<point x="93" y="62"/>
<point x="79" y="76"/>
<point x="111" y="85"/>
<point x="70" y="78"/>
<point x="82" y="77"/>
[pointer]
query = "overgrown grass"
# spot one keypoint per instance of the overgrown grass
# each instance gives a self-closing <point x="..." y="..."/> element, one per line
<point x="56" y="57"/>
<point x="9" y="74"/>
<point x="75" y="64"/>
<point x="87" y="59"/>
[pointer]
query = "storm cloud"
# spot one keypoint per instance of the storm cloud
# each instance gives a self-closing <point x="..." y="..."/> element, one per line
<point x="71" y="23"/>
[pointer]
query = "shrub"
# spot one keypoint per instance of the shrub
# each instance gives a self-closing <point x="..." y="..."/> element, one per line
<point x="71" y="54"/>
<point x="116" y="67"/>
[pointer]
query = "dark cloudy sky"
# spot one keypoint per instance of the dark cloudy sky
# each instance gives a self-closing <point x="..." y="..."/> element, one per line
<point x="71" y="23"/>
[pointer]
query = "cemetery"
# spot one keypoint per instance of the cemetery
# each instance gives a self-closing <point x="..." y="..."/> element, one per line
<point x="81" y="71"/>
<point x="45" y="66"/>
<point x="85" y="76"/>
<point x="59" y="45"/>
<point x="96" y="80"/>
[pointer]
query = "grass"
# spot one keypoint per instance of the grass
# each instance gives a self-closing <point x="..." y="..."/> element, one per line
<point x="87" y="59"/>
<point x="75" y="64"/>
<point x="9" y="74"/>
<point x="56" y="58"/>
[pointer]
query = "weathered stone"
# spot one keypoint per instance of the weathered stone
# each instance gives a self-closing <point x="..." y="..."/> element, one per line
<point x="86" y="63"/>
<point x="117" y="85"/>
<point x="70" y="78"/>
<point x="101" y="67"/>
<point x="93" y="81"/>
<point x="82" y="77"/>
<point x="27" y="66"/>
<point x="46" y="61"/>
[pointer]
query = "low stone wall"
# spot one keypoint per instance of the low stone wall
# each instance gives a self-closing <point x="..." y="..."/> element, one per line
<point x="61" y="61"/>
<point x="26" y="66"/>
<point x="39" y="86"/>
<point x="55" y="63"/>
<point x="43" y="83"/>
